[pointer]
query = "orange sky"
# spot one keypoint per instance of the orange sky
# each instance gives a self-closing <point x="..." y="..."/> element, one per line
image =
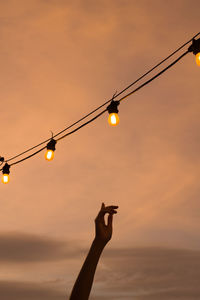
<point x="59" y="60"/>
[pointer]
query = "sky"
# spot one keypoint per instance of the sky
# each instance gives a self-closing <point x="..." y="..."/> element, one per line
<point x="59" y="60"/>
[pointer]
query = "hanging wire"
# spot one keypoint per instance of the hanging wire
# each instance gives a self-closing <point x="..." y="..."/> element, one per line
<point x="101" y="113"/>
<point x="86" y="123"/>
<point x="154" y="77"/>
<point x="161" y="62"/>
<point x="27" y="157"/>
<point x="33" y="154"/>
<point x="99" y="107"/>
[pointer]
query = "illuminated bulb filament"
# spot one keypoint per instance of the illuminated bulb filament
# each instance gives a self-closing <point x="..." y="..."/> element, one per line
<point x="113" y="119"/>
<point x="49" y="155"/>
<point x="198" y="59"/>
<point x="5" y="178"/>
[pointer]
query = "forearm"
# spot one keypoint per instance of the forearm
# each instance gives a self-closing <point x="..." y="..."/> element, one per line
<point x="83" y="284"/>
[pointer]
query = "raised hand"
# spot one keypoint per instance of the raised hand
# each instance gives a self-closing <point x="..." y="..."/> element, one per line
<point x="83" y="284"/>
<point x="103" y="230"/>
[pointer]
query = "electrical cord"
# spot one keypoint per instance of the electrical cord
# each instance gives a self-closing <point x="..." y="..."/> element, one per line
<point x="33" y="154"/>
<point x="115" y="96"/>
<point x="101" y="113"/>
<point x="154" y="77"/>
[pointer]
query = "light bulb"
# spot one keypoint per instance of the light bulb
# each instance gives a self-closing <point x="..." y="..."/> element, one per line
<point x="198" y="59"/>
<point x="112" y="109"/>
<point x="6" y="171"/>
<point x="5" y="178"/>
<point x="113" y="119"/>
<point x="49" y="154"/>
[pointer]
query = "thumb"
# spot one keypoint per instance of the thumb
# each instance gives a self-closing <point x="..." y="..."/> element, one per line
<point x="102" y="205"/>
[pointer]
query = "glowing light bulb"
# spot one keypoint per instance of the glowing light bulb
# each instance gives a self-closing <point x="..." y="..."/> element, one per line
<point x="113" y="119"/>
<point x="49" y="155"/>
<point x="112" y="109"/>
<point x="198" y="59"/>
<point x="5" y="178"/>
<point x="6" y="171"/>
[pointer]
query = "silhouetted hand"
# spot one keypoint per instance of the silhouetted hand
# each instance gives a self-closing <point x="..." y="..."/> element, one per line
<point x="103" y="230"/>
<point x="83" y="284"/>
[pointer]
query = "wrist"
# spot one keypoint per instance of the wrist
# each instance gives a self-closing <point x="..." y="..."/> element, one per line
<point x="98" y="243"/>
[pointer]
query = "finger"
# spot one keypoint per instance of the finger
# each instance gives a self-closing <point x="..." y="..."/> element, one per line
<point x="109" y="210"/>
<point x="110" y="220"/>
<point x="106" y="210"/>
<point x="112" y="206"/>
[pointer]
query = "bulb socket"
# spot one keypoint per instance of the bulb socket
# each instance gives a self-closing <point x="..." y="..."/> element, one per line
<point x="6" y="169"/>
<point x="1" y="159"/>
<point x="51" y="145"/>
<point x="113" y="107"/>
<point x="195" y="47"/>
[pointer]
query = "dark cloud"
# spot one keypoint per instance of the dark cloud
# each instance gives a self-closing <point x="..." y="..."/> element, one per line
<point x="17" y="247"/>
<point x="10" y="290"/>
<point x="149" y="273"/>
<point x="141" y="273"/>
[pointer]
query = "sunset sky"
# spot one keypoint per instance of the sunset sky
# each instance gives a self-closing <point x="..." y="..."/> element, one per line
<point x="60" y="59"/>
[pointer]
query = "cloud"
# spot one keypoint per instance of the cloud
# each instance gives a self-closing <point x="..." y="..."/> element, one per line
<point x="132" y="273"/>
<point x="149" y="273"/>
<point x="18" y="247"/>
<point x="10" y="290"/>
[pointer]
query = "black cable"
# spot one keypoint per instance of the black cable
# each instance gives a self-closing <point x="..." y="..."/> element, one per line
<point x="154" y="77"/>
<point x="91" y="120"/>
<point x="116" y="95"/>
<point x="101" y="113"/>
<point x="162" y="61"/>
<point x="25" y="158"/>
<point x="33" y="154"/>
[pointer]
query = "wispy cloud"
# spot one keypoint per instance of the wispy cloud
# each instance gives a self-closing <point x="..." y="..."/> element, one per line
<point x="149" y="273"/>
<point x="137" y="273"/>
<point x="22" y="290"/>
<point x="17" y="247"/>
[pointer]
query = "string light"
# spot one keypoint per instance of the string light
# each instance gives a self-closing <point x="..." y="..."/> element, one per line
<point x="198" y="59"/>
<point x="113" y="118"/>
<point x="195" y="48"/>
<point x="49" y="154"/>
<point x="6" y="171"/>
<point x="93" y="111"/>
<point x="112" y="109"/>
